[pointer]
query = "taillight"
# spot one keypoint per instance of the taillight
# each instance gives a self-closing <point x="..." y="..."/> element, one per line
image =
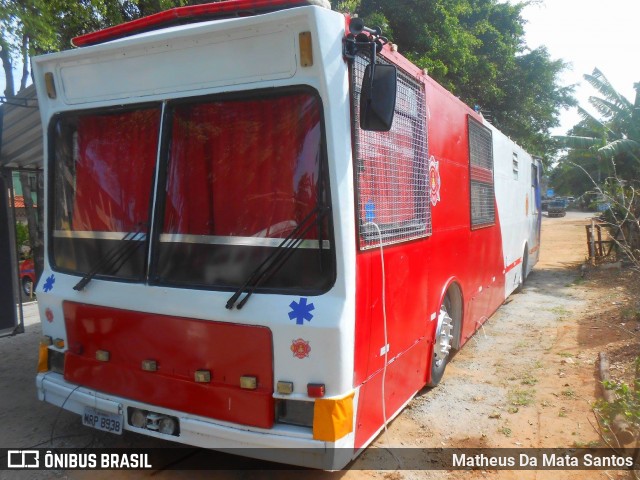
<point x="315" y="390"/>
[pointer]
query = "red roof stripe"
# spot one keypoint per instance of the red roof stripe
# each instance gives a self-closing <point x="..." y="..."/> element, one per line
<point x="179" y="15"/>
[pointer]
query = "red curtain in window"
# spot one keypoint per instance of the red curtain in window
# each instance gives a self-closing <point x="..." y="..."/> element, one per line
<point x="114" y="160"/>
<point x="387" y="181"/>
<point x="243" y="167"/>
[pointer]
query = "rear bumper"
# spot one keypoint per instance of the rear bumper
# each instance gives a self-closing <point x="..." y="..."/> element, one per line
<point x="273" y="445"/>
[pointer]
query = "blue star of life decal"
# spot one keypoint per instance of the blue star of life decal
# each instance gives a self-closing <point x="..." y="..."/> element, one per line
<point x="301" y="311"/>
<point x="48" y="284"/>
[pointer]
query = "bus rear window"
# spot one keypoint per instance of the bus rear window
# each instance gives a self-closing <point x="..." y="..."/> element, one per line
<point x="242" y="174"/>
<point x="104" y="165"/>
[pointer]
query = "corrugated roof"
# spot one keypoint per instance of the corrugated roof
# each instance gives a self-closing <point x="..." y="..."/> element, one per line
<point x="19" y="202"/>
<point x="22" y="132"/>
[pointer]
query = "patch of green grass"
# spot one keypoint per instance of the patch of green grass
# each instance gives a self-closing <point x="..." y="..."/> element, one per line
<point x="565" y="354"/>
<point x="521" y="397"/>
<point x="568" y="393"/>
<point x="506" y="431"/>
<point x="528" y="379"/>
<point x="591" y="444"/>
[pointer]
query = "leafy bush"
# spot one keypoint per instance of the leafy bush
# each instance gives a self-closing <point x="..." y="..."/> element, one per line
<point x="22" y="237"/>
<point x="625" y="405"/>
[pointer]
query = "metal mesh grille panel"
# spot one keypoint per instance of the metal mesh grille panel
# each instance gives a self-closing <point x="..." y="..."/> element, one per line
<point x="481" y="175"/>
<point x="392" y="167"/>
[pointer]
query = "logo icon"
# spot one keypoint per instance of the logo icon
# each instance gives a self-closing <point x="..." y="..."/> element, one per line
<point x="301" y="311"/>
<point x="300" y="348"/>
<point x="48" y="284"/>
<point x="49" y="314"/>
<point x="23" y="459"/>
<point x="434" y="180"/>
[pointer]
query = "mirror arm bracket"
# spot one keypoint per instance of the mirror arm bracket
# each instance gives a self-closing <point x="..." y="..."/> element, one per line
<point x="358" y="41"/>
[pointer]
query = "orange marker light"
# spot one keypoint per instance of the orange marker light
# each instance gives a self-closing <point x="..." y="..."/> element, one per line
<point x="248" y="383"/>
<point x="102" y="355"/>
<point x="50" y="85"/>
<point x="306" y="51"/>
<point x="202" y="376"/>
<point x="285" y="388"/>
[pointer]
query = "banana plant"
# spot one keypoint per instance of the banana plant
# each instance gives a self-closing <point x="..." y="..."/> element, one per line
<point x="616" y="135"/>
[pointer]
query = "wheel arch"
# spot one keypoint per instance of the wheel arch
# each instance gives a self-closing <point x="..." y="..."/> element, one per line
<point x="525" y="257"/>
<point x="453" y="287"/>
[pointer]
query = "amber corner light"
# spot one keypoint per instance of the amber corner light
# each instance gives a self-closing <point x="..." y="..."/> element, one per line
<point x="306" y="50"/>
<point x="50" y="85"/>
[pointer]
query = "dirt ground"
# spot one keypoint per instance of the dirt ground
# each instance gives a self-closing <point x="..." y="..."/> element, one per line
<point x="528" y="378"/>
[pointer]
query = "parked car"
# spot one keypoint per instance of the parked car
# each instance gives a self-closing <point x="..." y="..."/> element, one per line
<point x="27" y="276"/>
<point x="557" y="208"/>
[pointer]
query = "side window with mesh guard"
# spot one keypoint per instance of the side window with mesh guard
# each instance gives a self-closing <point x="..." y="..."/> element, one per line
<point x="392" y="167"/>
<point x="483" y="212"/>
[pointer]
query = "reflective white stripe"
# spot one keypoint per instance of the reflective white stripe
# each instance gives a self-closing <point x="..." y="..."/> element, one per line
<point x="246" y="241"/>
<point x="97" y="235"/>
<point x="186" y="238"/>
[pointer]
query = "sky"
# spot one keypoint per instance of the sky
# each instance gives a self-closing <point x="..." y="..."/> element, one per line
<point x="587" y="34"/>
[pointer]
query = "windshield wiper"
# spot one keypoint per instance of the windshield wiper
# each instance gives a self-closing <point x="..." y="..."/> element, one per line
<point x="277" y="258"/>
<point x="113" y="260"/>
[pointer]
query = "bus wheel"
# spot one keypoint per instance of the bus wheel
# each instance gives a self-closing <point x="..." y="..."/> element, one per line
<point x="443" y="343"/>
<point x="523" y="272"/>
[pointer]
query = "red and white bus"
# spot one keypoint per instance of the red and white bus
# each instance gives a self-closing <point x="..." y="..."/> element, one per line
<point x="233" y="261"/>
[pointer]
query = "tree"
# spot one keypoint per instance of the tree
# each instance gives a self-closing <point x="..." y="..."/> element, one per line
<point x="24" y="24"/>
<point x="476" y="49"/>
<point x="615" y="136"/>
<point x="612" y="142"/>
<point x="29" y="27"/>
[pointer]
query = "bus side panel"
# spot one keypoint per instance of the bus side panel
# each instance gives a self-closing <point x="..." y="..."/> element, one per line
<point x="405" y="286"/>
<point x="471" y="258"/>
<point x="516" y="201"/>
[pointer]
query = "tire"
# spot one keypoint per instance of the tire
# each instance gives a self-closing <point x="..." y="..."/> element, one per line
<point x="523" y="271"/>
<point x="27" y="286"/>
<point x="443" y="342"/>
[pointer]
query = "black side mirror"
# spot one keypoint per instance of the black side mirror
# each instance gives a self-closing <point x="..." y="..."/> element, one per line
<point x="378" y="97"/>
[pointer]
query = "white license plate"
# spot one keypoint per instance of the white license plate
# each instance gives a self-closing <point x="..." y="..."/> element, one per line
<point x="107" y="422"/>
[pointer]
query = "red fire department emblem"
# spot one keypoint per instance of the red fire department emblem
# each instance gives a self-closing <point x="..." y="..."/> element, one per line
<point x="300" y="348"/>
<point x="434" y="180"/>
<point x="49" y="314"/>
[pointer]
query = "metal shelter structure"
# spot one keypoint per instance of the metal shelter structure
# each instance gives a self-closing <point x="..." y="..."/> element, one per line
<point x="21" y="150"/>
